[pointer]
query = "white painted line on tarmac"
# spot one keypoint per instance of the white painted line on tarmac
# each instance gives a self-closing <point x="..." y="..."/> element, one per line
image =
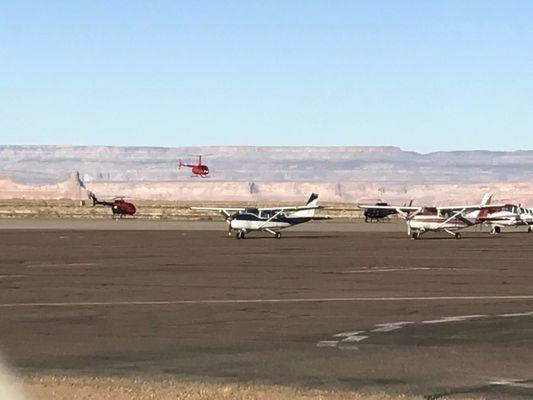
<point x="511" y="315"/>
<point x="11" y="276"/>
<point x="60" y="265"/>
<point x="455" y="319"/>
<point x="262" y="301"/>
<point x="366" y="271"/>
<point x="513" y="383"/>
<point x="455" y="257"/>
<point x="327" y="343"/>
<point x="392" y="326"/>
<point x="348" y="334"/>
<point x="355" y="338"/>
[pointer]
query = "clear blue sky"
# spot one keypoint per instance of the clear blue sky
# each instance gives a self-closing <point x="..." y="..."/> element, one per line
<point x="424" y="75"/>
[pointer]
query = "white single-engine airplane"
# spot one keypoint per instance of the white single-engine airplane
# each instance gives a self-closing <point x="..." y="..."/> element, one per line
<point x="449" y="219"/>
<point x="507" y="215"/>
<point x="271" y="220"/>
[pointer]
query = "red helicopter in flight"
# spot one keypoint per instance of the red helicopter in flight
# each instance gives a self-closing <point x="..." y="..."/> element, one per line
<point x="199" y="169"/>
<point x="119" y="206"/>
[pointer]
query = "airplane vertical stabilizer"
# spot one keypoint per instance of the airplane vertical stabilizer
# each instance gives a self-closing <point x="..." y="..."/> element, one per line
<point x="485" y="201"/>
<point x="483" y="212"/>
<point x="312" y="202"/>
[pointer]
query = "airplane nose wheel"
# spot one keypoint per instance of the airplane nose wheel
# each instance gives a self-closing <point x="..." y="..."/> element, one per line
<point x="415" y="235"/>
<point x="240" y="235"/>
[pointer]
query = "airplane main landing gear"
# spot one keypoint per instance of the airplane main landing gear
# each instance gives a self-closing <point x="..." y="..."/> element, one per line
<point x="277" y="235"/>
<point x="415" y="235"/>
<point x="457" y="236"/>
<point x="496" y="230"/>
<point x="529" y="229"/>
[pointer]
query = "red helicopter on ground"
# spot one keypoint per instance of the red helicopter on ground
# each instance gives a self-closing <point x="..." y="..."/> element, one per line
<point x="118" y="205"/>
<point x="199" y="169"/>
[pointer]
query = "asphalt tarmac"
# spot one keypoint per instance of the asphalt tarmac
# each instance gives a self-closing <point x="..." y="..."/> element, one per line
<point x="326" y="309"/>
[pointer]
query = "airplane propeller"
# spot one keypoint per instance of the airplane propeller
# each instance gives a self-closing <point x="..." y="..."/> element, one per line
<point x="228" y="219"/>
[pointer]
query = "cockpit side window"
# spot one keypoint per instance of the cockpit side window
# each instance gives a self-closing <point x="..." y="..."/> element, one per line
<point x="270" y="213"/>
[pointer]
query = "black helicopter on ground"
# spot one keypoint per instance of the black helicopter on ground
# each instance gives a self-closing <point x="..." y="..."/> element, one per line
<point x="376" y="214"/>
<point x="119" y="206"/>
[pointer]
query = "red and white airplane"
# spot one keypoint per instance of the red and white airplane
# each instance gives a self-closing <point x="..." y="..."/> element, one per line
<point x="449" y="219"/>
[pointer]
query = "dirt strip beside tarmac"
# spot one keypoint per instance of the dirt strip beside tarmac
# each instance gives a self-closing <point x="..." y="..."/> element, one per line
<point x="70" y="388"/>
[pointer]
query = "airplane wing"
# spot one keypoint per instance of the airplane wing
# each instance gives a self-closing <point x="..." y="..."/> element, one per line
<point x="227" y="211"/>
<point x="290" y="208"/>
<point x="219" y="209"/>
<point x="483" y="205"/>
<point x="470" y="207"/>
